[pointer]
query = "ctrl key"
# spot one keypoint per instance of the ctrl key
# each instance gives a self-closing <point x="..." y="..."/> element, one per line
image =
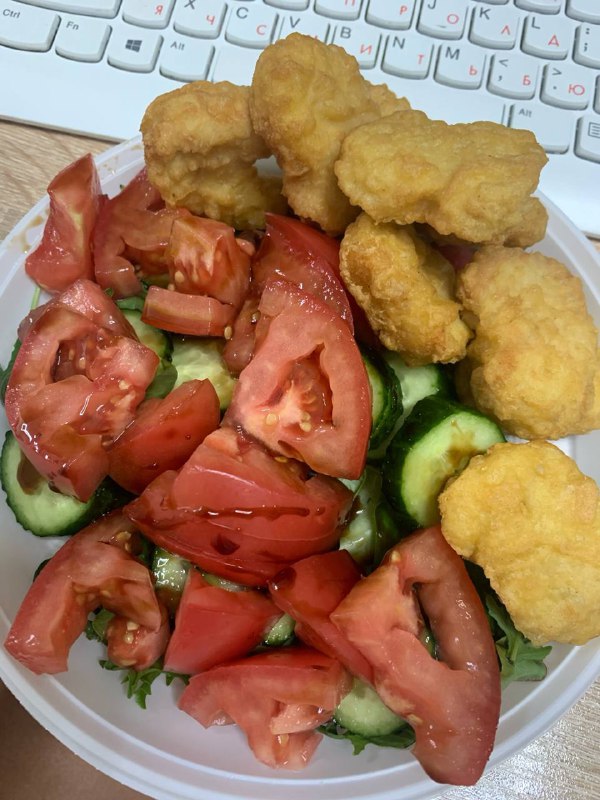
<point x="27" y="28"/>
<point x="587" y="142"/>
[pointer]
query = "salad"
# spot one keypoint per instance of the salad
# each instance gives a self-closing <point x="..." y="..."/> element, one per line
<point x="359" y="507"/>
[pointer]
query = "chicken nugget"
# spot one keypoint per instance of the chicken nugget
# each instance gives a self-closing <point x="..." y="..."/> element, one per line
<point x="531" y="519"/>
<point x="473" y="181"/>
<point x="533" y="361"/>
<point x="405" y="288"/>
<point x="200" y="151"/>
<point x="305" y="97"/>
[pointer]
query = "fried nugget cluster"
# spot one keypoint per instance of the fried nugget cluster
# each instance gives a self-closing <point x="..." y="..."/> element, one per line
<point x="533" y="362"/>
<point x="531" y="519"/>
<point x="200" y="151"/>
<point x="305" y="98"/>
<point x="473" y="181"/>
<point x="406" y="288"/>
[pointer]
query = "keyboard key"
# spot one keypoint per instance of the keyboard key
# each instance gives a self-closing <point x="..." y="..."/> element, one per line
<point x="90" y="8"/>
<point x="445" y="20"/>
<point x="185" y="59"/>
<point x="567" y="86"/>
<point x="584" y="10"/>
<point x="460" y="66"/>
<point x="339" y="9"/>
<point x="82" y="39"/>
<point x="587" y="143"/>
<point x="27" y="28"/>
<point x="391" y="15"/>
<point x="455" y="105"/>
<point x="235" y="64"/>
<point x="361" y="41"/>
<point x="147" y="13"/>
<point x="251" y="26"/>
<point x="513" y="76"/>
<point x="552" y="129"/>
<point x="134" y="50"/>
<point x="199" y="18"/>
<point x="494" y="27"/>
<point x="587" y="46"/>
<point x="546" y="37"/>
<point x="541" y="6"/>
<point x="307" y="24"/>
<point x="407" y="56"/>
<point x="288" y="5"/>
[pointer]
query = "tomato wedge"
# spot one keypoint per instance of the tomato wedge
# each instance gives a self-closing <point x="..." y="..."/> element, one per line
<point x="453" y="704"/>
<point x="64" y="255"/>
<point x="309" y="591"/>
<point x="132" y="227"/>
<point x="131" y="645"/>
<point x="191" y="314"/>
<point x="204" y="257"/>
<point x="277" y="698"/>
<point x="214" y="625"/>
<point x="93" y="568"/>
<point x="164" y="434"/>
<point x="73" y="388"/>
<point x="305" y="394"/>
<point x="236" y="511"/>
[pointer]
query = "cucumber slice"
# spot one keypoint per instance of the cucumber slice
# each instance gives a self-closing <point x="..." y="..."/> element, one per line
<point x="169" y="572"/>
<point x="201" y="358"/>
<point x="223" y="583"/>
<point x="359" y="535"/>
<point x="436" y="442"/>
<point x="418" y="382"/>
<point x="386" y="398"/>
<point x="362" y="711"/>
<point x="281" y="632"/>
<point x="40" y="509"/>
<point x="152" y="337"/>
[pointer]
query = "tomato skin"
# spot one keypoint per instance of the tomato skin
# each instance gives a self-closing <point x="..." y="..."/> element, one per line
<point x="134" y="646"/>
<point x="237" y="512"/>
<point x="214" y="625"/>
<point x="204" y="257"/>
<point x="164" y="434"/>
<point x="309" y="590"/>
<point x="452" y="704"/>
<point x="74" y="386"/>
<point x="64" y="254"/>
<point x="305" y="394"/>
<point x="277" y="698"/>
<point x="191" y="314"/>
<point x="133" y="225"/>
<point x="92" y="568"/>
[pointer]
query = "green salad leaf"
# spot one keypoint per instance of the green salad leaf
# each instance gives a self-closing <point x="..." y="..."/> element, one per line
<point x="401" y="739"/>
<point x="138" y="685"/>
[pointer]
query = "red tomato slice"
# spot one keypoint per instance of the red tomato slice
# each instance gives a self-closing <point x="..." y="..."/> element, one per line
<point x="452" y="704"/>
<point x="204" y="257"/>
<point x="214" y="625"/>
<point x="305" y="394"/>
<point x="309" y="591"/>
<point x="131" y="645"/>
<point x="239" y="348"/>
<point x="164" y="434"/>
<point x="74" y="387"/>
<point x="132" y="226"/>
<point x="298" y="253"/>
<point x="277" y="698"/>
<point x="93" y="568"/>
<point x="236" y="511"/>
<point x="64" y="254"/>
<point x="191" y="314"/>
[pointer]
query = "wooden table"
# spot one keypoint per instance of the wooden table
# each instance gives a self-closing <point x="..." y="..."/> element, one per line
<point x="563" y="764"/>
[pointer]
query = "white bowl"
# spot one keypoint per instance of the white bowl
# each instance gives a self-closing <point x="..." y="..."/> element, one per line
<point x="162" y="752"/>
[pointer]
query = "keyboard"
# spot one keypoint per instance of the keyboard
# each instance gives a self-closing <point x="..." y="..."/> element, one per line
<point x="92" y="66"/>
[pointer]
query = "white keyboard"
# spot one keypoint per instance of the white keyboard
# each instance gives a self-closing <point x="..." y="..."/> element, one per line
<point x="92" y="66"/>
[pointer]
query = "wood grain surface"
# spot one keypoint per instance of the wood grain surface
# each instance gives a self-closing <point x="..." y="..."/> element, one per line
<point x="563" y="764"/>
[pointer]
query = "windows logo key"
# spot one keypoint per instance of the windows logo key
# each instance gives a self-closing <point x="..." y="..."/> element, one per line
<point x="133" y="44"/>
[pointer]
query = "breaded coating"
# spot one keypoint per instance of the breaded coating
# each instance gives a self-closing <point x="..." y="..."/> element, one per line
<point x="533" y="361"/>
<point x="305" y="97"/>
<point x="528" y="516"/>
<point x="473" y="181"/>
<point x="405" y="288"/>
<point x="200" y="151"/>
